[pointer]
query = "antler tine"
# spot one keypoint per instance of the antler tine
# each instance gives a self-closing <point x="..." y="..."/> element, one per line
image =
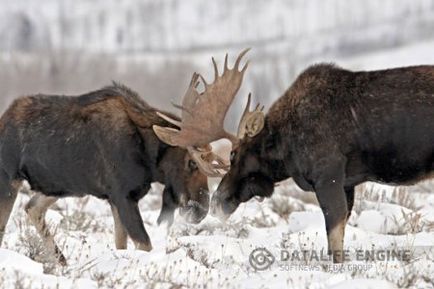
<point x="203" y="80"/>
<point x="247" y="108"/>
<point x="245" y="67"/>
<point x="169" y="119"/>
<point x="251" y="122"/>
<point x="216" y="71"/>
<point x="237" y="62"/>
<point x="180" y="107"/>
<point x="190" y="97"/>
<point x="206" y="165"/>
<point x="225" y="67"/>
<point x="193" y="81"/>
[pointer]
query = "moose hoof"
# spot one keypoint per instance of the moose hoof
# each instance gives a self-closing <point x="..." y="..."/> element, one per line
<point x="144" y="247"/>
<point x="165" y="218"/>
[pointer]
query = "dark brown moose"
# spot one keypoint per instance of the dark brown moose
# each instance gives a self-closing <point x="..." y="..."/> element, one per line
<point x="332" y="130"/>
<point x="101" y="144"/>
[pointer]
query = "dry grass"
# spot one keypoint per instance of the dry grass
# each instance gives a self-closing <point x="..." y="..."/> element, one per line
<point x="408" y="223"/>
<point x="284" y="206"/>
<point x="34" y="247"/>
<point x="79" y="219"/>
<point x="289" y="188"/>
<point x="399" y="196"/>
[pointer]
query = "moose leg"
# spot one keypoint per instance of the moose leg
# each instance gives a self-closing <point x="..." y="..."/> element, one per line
<point x="168" y="207"/>
<point x="334" y="208"/>
<point x="333" y="202"/>
<point x="8" y="195"/>
<point x="349" y="193"/>
<point x="129" y="216"/>
<point x="120" y="231"/>
<point x="36" y="209"/>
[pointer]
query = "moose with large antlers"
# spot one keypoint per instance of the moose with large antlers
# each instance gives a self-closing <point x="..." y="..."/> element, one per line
<point x="99" y="144"/>
<point x="332" y="130"/>
<point x="103" y="144"/>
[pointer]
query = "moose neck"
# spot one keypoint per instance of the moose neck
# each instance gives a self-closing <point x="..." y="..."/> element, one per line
<point x="274" y="154"/>
<point x="155" y="155"/>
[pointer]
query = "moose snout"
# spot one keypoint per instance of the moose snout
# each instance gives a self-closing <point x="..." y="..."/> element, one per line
<point x="216" y="207"/>
<point x="194" y="211"/>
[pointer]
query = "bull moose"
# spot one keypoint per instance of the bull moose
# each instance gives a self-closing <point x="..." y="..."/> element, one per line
<point x="100" y="144"/>
<point x="332" y="130"/>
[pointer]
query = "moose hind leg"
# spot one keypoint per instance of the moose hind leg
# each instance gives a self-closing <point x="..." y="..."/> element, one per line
<point x="129" y="215"/>
<point x="120" y="231"/>
<point x="36" y="209"/>
<point x="8" y="195"/>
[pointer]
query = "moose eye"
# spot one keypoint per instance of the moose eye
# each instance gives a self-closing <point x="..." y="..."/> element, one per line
<point x="232" y="156"/>
<point x="192" y="165"/>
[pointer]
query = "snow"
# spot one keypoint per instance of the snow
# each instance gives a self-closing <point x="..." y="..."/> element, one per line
<point x="372" y="220"/>
<point x="166" y="26"/>
<point x="216" y="254"/>
<point x="364" y="284"/>
<point x="11" y="260"/>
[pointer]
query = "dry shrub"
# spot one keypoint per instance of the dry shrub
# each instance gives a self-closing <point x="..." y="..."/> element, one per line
<point x="399" y="196"/>
<point x="35" y="248"/>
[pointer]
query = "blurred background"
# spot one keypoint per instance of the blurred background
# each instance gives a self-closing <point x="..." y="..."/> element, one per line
<point x="153" y="46"/>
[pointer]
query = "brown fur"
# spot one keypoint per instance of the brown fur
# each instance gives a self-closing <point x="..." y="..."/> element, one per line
<point x="101" y="144"/>
<point x="332" y="130"/>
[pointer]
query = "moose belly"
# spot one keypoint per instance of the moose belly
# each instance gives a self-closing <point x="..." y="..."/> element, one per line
<point x="402" y="162"/>
<point x="80" y="169"/>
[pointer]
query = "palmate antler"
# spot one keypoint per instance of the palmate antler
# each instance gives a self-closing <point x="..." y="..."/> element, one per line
<point x="203" y="115"/>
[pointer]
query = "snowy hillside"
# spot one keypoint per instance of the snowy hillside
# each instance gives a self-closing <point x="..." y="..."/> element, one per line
<point x="184" y="26"/>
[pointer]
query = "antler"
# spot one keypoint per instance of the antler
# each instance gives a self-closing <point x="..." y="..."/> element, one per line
<point x="203" y="115"/>
<point x="252" y="122"/>
<point x="208" y="162"/>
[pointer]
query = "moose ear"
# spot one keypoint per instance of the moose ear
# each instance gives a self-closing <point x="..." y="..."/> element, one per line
<point x="254" y="123"/>
<point x="166" y="134"/>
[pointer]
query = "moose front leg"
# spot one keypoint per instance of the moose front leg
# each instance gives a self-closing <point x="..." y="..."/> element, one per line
<point x="129" y="216"/>
<point x="168" y="207"/>
<point x="333" y="202"/>
<point x="334" y="207"/>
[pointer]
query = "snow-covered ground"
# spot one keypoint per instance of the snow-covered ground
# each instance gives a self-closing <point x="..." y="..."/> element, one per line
<point x="216" y="255"/>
